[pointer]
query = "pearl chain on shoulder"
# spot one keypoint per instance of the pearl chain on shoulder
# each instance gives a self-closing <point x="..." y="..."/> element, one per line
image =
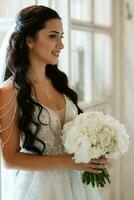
<point x="11" y="102"/>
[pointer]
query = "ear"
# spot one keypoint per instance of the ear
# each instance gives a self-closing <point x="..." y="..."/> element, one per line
<point x="29" y="42"/>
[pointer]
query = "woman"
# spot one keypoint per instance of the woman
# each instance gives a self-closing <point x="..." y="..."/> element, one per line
<point x="35" y="103"/>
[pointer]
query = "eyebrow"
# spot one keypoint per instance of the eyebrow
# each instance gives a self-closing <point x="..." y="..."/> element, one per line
<point x="55" y="32"/>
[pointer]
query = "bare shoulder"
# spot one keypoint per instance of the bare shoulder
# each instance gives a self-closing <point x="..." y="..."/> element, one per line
<point x="8" y="84"/>
<point x="9" y="115"/>
<point x="7" y="90"/>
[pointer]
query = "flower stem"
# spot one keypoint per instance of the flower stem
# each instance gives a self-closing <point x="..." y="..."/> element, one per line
<point x="96" y="179"/>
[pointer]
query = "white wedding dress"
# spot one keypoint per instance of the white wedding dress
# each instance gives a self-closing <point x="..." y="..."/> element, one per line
<point x="58" y="184"/>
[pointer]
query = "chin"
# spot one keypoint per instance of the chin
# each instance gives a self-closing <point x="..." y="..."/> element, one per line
<point x="53" y="62"/>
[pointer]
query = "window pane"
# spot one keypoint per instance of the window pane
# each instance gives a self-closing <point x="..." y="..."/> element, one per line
<point x="9" y="8"/>
<point x="43" y="2"/>
<point x="102" y="66"/>
<point x="103" y="12"/>
<point x="2" y="35"/>
<point x="81" y="60"/>
<point x="81" y="9"/>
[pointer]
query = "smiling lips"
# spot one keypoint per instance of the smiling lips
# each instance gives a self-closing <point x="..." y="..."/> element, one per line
<point x="56" y="54"/>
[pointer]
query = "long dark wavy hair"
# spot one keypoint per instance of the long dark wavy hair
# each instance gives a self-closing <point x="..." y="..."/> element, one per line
<point x="28" y="22"/>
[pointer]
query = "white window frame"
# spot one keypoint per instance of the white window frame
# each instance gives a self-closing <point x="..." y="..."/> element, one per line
<point x="90" y="27"/>
<point x="115" y="32"/>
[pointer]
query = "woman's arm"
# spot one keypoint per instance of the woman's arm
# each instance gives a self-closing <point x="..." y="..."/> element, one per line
<point x="15" y="159"/>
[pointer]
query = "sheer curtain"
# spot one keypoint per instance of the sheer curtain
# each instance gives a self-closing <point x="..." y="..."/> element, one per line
<point x="3" y="49"/>
<point x="7" y="176"/>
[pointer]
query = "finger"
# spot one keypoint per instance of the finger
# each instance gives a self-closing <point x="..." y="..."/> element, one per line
<point x="95" y="171"/>
<point x="99" y="161"/>
<point x="96" y="166"/>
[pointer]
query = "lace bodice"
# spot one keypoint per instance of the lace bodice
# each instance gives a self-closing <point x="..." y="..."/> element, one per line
<point x="51" y="134"/>
<point x="61" y="114"/>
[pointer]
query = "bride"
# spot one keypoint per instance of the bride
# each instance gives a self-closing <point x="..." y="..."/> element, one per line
<point x="35" y="102"/>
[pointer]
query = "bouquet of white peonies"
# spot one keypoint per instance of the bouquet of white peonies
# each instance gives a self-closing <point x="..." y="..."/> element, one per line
<point x="92" y="135"/>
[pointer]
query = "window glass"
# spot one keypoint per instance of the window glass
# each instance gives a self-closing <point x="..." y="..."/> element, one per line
<point x="102" y="65"/>
<point x="9" y="8"/>
<point x="81" y="59"/>
<point x="81" y="9"/>
<point x="103" y="12"/>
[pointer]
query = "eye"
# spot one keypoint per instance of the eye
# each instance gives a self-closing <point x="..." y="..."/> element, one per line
<point x="53" y="36"/>
<point x="56" y="37"/>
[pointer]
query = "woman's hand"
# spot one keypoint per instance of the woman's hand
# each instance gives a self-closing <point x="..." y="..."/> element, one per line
<point x="94" y="166"/>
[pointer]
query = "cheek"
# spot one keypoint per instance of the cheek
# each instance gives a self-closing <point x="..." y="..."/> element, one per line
<point x="43" y="51"/>
<point x="45" y="47"/>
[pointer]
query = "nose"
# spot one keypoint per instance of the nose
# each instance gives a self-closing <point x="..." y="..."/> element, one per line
<point x="60" y="44"/>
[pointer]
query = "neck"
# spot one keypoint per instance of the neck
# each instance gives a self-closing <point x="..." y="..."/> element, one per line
<point x="37" y="70"/>
<point x="37" y="74"/>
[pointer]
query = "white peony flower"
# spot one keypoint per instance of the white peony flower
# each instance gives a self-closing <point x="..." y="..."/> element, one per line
<point x="93" y="134"/>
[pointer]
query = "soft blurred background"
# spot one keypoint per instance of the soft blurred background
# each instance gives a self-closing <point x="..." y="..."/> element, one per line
<point x="99" y="61"/>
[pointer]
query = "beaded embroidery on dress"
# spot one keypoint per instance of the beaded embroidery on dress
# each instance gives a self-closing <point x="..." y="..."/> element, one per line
<point x="56" y="184"/>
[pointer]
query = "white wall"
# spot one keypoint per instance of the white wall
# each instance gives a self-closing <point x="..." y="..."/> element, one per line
<point x="128" y="160"/>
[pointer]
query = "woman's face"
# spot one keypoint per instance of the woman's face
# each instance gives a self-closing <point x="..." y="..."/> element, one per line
<point x="47" y="44"/>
